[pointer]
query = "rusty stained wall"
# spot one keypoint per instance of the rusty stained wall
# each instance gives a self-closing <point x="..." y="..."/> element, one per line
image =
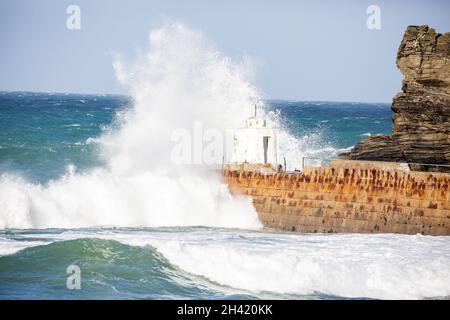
<point x="329" y="199"/>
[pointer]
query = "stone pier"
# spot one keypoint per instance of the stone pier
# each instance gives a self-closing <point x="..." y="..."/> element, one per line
<point x="353" y="198"/>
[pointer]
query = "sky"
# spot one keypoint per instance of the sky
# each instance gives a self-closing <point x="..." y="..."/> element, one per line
<point x="302" y="50"/>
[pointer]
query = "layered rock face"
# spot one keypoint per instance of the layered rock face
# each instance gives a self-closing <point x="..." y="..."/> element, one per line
<point x="421" y="123"/>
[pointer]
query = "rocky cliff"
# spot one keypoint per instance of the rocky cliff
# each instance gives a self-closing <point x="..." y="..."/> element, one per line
<point x="421" y="121"/>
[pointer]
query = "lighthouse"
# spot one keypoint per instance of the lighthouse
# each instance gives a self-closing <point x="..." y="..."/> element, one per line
<point x="255" y="144"/>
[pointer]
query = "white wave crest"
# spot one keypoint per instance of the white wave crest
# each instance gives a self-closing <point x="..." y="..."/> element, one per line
<point x="180" y="79"/>
<point x="371" y="266"/>
<point x="381" y="266"/>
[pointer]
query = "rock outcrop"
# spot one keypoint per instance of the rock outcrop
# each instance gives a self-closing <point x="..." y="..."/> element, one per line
<point x="421" y="123"/>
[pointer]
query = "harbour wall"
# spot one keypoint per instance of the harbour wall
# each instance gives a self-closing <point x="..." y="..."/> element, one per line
<point x="348" y="197"/>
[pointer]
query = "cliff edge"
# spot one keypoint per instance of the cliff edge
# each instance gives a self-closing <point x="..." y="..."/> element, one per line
<point x="421" y="121"/>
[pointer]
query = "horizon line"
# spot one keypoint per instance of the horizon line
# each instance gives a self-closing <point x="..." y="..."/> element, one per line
<point x="128" y="95"/>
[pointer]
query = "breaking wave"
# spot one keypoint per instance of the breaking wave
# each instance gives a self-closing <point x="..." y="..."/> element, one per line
<point x="179" y="80"/>
<point x="167" y="262"/>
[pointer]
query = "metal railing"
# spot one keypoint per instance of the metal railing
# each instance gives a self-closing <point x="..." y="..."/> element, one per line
<point x="319" y="162"/>
<point x="413" y="166"/>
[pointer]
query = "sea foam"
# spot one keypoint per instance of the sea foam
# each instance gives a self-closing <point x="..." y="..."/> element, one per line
<point x="355" y="266"/>
<point x="274" y="265"/>
<point x="180" y="79"/>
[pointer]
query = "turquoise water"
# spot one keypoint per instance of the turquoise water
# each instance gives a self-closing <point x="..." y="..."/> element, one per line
<point x="340" y="124"/>
<point x="43" y="134"/>
<point x="110" y="270"/>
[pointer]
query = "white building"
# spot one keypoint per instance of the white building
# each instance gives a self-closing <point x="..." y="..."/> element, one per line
<point x="255" y="144"/>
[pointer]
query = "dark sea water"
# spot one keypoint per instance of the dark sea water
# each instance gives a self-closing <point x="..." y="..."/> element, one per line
<point x="43" y="135"/>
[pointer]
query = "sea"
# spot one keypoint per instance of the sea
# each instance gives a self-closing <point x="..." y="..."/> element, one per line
<point x="85" y="187"/>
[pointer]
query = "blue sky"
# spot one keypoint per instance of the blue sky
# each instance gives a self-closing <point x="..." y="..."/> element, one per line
<point x="303" y="50"/>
